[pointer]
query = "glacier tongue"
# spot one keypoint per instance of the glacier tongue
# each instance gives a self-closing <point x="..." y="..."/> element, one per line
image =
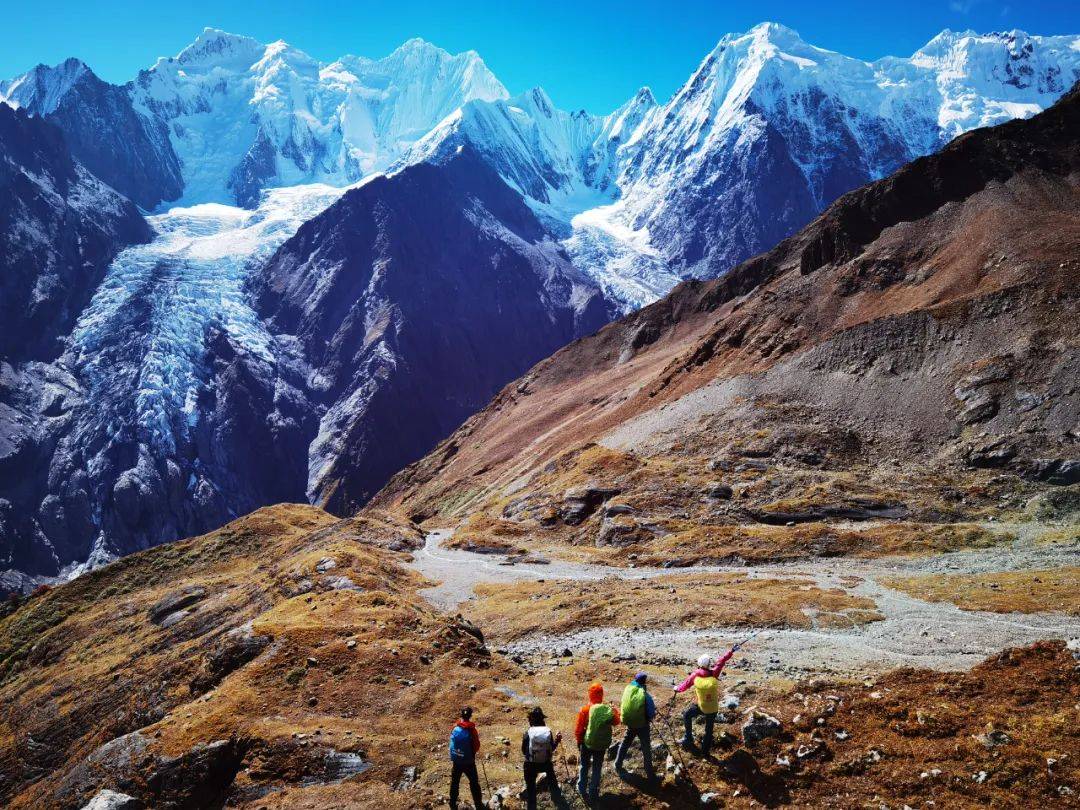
<point x="139" y="346"/>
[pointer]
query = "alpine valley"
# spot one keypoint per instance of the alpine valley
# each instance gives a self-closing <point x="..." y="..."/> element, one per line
<point x="248" y="277"/>
<point x="335" y="398"/>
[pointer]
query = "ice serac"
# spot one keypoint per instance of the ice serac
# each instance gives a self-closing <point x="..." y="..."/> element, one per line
<point x="406" y="335"/>
<point x="126" y="150"/>
<point x="243" y="116"/>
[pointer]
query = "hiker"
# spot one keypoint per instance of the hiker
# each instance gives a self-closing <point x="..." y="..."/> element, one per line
<point x="637" y="710"/>
<point x="706" y="685"/>
<point x="538" y="745"/>
<point x="593" y="733"/>
<point x="464" y="745"/>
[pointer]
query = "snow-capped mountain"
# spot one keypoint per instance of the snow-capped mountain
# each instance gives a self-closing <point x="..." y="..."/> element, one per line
<point x="129" y="151"/>
<point x="767" y="132"/>
<point x="239" y="116"/>
<point x="364" y="251"/>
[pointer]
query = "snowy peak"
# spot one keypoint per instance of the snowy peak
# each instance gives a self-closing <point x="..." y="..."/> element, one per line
<point x="216" y="48"/>
<point x="985" y="79"/>
<point x="40" y="90"/>
<point x="243" y="116"/>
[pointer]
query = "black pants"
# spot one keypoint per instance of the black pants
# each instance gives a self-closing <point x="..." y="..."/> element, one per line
<point x="533" y="770"/>
<point x="469" y="769"/>
<point x="688" y="721"/>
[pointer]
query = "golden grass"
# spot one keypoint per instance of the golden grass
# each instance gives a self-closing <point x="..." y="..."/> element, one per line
<point x="1034" y="591"/>
<point x="679" y="601"/>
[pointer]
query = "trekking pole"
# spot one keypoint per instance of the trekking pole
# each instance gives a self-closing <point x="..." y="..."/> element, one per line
<point x="673" y="749"/>
<point x="676" y="754"/>
<point x="483" y="766"/>
<point x="570" y="785"/>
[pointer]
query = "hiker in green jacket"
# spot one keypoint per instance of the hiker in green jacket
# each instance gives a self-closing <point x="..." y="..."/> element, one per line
<point x="593" y="734"/>
<point x="638" y="710"/>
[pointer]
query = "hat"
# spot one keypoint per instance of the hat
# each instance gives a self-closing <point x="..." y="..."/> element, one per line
<point x="704" y="661"/>
<point x="536" y="716"/>
<point x="641" y="676"/>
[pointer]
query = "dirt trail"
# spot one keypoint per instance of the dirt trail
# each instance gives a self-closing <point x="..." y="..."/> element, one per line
<point x="914" y="632"/>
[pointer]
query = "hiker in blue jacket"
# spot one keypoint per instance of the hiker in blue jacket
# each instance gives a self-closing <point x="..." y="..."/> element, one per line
<point x="464" y="745"/>
<point x="638" y="710"/>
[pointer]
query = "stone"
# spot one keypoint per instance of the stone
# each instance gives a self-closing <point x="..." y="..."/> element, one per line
<point x="760" y="726"/>
<point x="175" y="602"/>
<point x="719" y="491"/>
<point x="111" y="800"/>
<point x="579" y="503"/>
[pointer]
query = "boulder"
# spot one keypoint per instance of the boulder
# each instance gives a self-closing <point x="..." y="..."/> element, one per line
<point x="620" y="531"/>
<point x="579" y="503"/>
<point x="175" y="602"/>
<point x="719" y="491"/>
<point x="111" y="800"/>
<point x="238" y="648"/>
<point x="760" y="726"/>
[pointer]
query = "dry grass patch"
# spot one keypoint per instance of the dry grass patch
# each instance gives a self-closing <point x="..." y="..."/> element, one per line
<point x="1036" y="591"/>
<point x="681" y="601"/>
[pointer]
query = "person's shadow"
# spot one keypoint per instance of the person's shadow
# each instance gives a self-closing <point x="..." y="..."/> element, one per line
<point x="741" y="767"/>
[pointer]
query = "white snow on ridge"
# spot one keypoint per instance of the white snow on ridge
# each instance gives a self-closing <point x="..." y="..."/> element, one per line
<point x="605" y="181"/>
<point x="236" y="108"/>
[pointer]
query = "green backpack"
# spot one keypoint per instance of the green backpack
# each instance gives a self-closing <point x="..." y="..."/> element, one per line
<point x="633" y="706"/>
<point x="598" y="732"/>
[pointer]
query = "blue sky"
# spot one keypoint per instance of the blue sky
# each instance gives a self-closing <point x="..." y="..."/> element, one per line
<point x="590" y="55"/>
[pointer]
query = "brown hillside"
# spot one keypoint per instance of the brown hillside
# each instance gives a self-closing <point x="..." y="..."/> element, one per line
<point x="889" y="362"/>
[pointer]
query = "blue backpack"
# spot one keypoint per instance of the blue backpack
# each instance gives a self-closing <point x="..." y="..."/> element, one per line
<point x="460" y="744"/>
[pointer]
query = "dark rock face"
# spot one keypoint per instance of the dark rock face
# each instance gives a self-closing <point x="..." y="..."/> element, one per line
<point x="128" y="151"/>
<point x="743" y="201"/>
<point x="61" y="228"/>
<point x="397" y="289"/>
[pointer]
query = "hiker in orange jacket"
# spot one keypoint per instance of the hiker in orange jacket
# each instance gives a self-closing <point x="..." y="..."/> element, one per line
<point x="593" y="734"/>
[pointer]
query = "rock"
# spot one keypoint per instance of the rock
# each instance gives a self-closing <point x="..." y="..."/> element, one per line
<point x="993" y="737"/>
<point x="408" y="777"/>
<point x="325" y="564"/>
<point x="979" y="407"/>
<point x="620" y="531"/>
<point x="1059" y="504"/>
<point x="175" y="602"/>
<point x="236" y="649"/>
<point x="710" y="800"/>
<point x="760" y="726"/>
<point x="719" y="491"/>
<point x="111" y="800"/>
<point x="991" y="454"/>
<point x="751" y="466"/>
<point x="199" y="777"/>
<point x="1060" y="471"/>
<point x="579" y="503"/>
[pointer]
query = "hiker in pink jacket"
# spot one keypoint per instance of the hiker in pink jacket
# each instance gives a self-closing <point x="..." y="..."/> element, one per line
<point x="705" y="680"/>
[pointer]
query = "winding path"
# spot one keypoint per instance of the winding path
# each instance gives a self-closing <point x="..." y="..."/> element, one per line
<point x="913" y="632"/>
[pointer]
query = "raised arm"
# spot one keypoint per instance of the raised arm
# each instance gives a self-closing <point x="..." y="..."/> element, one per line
<point x="718" y="667"/>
